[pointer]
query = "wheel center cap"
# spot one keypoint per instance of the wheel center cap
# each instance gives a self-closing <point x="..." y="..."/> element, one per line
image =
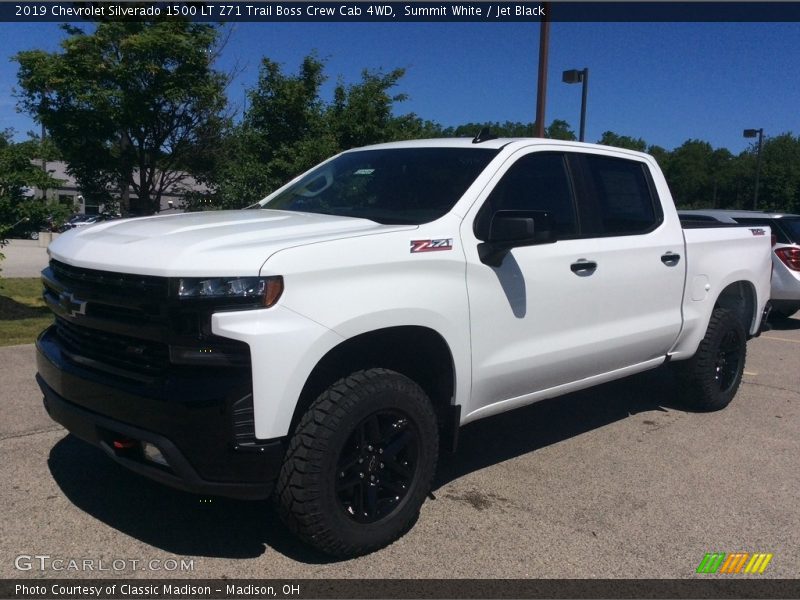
<point x="373" y="463"/>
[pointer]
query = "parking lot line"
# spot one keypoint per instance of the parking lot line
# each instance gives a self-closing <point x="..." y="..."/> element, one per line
<point x="780" y="339"/>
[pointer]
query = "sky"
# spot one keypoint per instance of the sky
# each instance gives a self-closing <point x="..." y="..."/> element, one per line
<point x="664" y="82"/>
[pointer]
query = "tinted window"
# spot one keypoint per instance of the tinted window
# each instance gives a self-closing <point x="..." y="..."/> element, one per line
<point x="625" y="203"/>
<point x="401" y="185"/>
<point x="535" y="182"/>
<point x="792" y="227"/>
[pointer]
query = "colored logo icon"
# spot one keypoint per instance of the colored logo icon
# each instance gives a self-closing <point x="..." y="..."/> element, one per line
<point x="737" y="562"/>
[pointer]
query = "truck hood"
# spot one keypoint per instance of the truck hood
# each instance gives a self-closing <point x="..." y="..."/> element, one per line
<point x="216" y="243"/>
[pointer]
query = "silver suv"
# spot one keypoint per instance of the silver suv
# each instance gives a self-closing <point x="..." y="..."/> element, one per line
<point x="785" y="256"/>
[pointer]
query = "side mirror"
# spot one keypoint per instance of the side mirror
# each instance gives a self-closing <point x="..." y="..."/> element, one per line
<point x="512" y="228"/>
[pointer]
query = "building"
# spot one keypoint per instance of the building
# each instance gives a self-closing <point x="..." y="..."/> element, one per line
<point x="69" y="194"/>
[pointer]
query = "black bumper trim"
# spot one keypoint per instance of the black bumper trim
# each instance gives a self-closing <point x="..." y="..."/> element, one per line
<point x="98" y="430"/>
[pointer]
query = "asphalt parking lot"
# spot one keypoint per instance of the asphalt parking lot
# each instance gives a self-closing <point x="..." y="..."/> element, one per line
<point x="618" y="481"/>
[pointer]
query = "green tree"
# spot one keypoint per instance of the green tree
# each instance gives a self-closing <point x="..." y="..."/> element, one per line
<point x="609" y="138"/>
<point x="779" y="188"/>
<point x="660" y="154"/>
<point x="289" y="128"/>
<point x="283" y="133"/>
<point x="131" y="105"/>
<point x="505" y="129"/>
<point x="689" y="174"/>
<point x="17" y="174"/>
<point x="361" y="113"/>
<point x="560" y="130"/>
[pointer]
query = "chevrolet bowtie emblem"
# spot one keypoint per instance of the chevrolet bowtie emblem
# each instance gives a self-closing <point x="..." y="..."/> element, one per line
<point x="71" y="304"/>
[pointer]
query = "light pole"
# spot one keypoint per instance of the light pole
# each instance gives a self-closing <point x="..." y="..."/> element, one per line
<point x="541" y="86"/>
<point x="759" y="133"/>
<point x="579" y="76"/>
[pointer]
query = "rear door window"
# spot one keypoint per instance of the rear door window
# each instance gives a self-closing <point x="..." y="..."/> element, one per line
<point x="621" y="197"/>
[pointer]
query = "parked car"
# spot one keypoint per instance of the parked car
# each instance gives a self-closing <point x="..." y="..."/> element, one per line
<point x="785" y="228"/>
<point x="24" y="229"/>
<point x="83" y="220"/>
<point x="319" y="346"/>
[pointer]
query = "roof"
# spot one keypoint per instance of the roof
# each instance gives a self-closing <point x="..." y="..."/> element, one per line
<point x="496" y="144"/>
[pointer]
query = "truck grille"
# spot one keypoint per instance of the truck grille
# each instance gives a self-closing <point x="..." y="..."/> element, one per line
<point x="77" y="277"/>
<point x="115" y="354"/>
<point x="127" y="325"/>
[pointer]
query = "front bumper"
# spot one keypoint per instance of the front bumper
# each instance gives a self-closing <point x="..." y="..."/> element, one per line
<point x="194" y="417"/>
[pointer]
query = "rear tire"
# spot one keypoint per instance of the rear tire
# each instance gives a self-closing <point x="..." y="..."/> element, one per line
<point x="359" y="464"/>
<point x="712" y="376"/>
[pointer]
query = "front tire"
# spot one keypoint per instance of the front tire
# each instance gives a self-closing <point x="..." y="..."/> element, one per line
<point x="712" y="376"/>
<point x="359" y="464"/>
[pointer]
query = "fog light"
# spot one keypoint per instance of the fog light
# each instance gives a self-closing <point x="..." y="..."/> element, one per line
<point x="153" y="454"/>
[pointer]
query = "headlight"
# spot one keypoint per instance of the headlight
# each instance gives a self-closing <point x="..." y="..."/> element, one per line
<point x="263" y="290"/>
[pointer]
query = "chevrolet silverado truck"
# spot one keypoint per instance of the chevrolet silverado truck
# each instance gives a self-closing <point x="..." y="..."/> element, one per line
<point x="321" y="346"/>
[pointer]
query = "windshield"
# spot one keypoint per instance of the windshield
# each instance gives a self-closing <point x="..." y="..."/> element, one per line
<point x="401" y="185"/>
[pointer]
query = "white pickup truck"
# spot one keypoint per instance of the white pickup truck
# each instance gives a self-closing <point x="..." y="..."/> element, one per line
<point x="321" y="346"/>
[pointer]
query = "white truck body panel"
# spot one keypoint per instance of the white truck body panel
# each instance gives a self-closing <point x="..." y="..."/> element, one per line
<point x="528" y="330"/>
<point x="203" y="244"/>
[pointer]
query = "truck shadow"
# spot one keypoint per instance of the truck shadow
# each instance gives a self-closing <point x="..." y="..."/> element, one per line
<point x="190" y="525"/>
<point x="508" y="435"/>
<point x="788" y="324"/>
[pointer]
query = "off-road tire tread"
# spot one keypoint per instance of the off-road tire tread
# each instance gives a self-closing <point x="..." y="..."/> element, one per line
<point x="696" y="374"/>
<point x="296" y="489"/>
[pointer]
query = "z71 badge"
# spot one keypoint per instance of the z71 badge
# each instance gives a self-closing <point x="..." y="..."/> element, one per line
<point x="758" y="231"/>
<point x="431" y="245"/>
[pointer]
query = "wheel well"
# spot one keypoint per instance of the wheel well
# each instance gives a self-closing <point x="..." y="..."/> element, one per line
<point x="739" y="298"/>
<point x="419" y="353"/>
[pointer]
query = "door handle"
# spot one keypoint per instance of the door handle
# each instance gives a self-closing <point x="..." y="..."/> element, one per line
<point x="670" y="259"/>
<point x="583" y="267"/>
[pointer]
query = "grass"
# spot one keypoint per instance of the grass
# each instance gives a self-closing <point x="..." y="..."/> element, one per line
<point x="23" y="314"/>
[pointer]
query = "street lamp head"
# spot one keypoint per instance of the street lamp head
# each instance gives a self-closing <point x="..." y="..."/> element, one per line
<point x="751" y="133"/>
<point x="572" y="76"/>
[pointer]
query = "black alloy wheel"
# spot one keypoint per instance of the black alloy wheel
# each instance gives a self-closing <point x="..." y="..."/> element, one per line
<point x="729" y="358"/>
<point x="378" y="466"/>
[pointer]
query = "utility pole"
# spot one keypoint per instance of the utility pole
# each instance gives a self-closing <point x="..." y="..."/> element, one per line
<point x="759" y="133"/>
<point x="541" y="90"/>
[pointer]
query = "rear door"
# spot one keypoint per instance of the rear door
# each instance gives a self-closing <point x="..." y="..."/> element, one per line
<point x="639" y="250"/>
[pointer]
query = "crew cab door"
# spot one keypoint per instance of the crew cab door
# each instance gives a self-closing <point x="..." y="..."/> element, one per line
<point x="600" y="292"/>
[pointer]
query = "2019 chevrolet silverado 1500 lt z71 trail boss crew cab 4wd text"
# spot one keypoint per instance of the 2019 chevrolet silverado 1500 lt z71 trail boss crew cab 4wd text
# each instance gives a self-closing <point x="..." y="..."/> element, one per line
<point x="320" y="345"/>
